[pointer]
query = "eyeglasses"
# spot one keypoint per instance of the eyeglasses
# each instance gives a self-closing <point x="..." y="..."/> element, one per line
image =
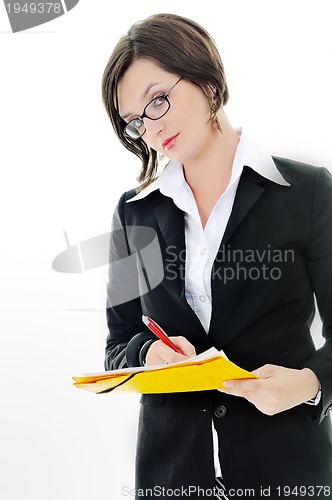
<point x="154" y="110"/>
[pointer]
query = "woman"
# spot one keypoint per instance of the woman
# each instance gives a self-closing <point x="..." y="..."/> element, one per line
<point x="246" y="242"/>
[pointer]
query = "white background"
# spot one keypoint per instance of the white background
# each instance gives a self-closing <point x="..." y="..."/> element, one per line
<point x="63" y="170"/>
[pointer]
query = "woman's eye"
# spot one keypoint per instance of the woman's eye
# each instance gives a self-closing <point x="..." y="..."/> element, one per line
<point x="158" y="101"/>
<point x="136" y="122"/>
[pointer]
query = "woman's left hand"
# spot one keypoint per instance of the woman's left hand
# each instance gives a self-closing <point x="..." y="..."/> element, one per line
<point x="277" y="389"/>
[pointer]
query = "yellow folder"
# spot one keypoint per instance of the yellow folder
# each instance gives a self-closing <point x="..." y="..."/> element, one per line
<point x="204" y="372"/>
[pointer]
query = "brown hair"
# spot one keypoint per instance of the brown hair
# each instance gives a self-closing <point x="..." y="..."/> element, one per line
<point x="179" y="46"/>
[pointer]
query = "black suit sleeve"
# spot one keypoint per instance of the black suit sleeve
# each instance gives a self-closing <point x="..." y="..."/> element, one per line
<point x="319" y="265"/>
<point x="127" y="333"/>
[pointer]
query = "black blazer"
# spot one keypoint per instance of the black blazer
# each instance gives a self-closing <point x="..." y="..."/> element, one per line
<point x="278" y="250"/>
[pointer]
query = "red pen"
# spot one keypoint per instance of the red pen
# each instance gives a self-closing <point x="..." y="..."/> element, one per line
<point x="160" y="333"/>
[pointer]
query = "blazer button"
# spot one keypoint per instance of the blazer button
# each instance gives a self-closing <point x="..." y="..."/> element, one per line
<point x="220" y="411"/>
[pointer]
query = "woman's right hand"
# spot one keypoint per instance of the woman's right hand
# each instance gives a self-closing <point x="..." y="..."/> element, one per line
<point x="159" y="353"/>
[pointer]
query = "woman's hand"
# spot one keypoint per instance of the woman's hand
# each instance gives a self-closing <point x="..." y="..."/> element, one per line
<point x="159" y="353"/>
<point x="277" y="389"/>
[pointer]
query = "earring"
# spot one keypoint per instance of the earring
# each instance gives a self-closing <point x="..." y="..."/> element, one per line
<point x="214" y="109"/>
<point x="216" y="125"/>
<point x="214" y="104"/>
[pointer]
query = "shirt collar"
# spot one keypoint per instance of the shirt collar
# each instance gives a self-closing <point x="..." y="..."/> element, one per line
<point x="251" y="154"/>
<point x="248" y="153"/>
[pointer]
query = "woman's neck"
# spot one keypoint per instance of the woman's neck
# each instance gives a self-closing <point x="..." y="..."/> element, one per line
<point x="208" y="176"/>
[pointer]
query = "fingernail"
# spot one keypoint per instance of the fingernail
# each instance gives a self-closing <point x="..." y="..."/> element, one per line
<point x="228" y="384"/>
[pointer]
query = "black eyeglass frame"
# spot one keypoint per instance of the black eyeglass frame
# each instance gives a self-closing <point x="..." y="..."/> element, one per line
<point x="144" y="115"/>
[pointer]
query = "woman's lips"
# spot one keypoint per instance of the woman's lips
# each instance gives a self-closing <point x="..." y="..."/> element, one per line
<point x="169" y="143"/>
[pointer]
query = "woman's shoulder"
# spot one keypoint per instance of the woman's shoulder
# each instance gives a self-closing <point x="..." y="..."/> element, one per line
<point x="299" y="173"/>
<point x="131" y="204"/>
<point x="296" y="168"/>
<point x="128" y="195"/>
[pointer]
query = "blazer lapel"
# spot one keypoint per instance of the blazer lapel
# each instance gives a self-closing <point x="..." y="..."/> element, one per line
<point x="170" y="220"/>
<point x="248" y="193"/>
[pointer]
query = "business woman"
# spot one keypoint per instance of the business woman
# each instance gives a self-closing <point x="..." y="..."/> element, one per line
<point x="245" y="242"/>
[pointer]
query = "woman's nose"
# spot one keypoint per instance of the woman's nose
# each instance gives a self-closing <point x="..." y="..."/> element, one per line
<point x="154" y="127"/>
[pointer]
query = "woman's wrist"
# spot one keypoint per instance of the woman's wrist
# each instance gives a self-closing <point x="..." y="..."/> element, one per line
<point x="143" y="351"/>
<point x="312" y="386"/>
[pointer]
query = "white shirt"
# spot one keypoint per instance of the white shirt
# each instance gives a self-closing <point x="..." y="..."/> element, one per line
<point x="202" y="244"/>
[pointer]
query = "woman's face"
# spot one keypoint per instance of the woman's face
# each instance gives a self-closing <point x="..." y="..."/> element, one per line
<point x="184" y="132"/>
